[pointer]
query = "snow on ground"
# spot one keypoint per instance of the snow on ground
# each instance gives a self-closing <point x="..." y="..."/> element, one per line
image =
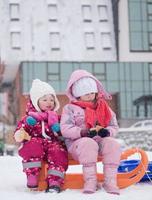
<point x="13" y="186"/>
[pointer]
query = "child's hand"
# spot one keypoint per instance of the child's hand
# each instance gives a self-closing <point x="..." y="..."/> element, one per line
<point x="21" y="135"/>
<point x="98" y="130"/>
<point x="94" y="131"/>
<point x="31" y="120"/>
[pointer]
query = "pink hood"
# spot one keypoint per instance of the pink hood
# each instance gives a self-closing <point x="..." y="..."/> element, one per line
<point x="78" y="74"/>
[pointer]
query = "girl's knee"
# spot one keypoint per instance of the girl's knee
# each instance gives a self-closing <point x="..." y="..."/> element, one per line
<point x="31" y="149"/>
<point x="111" y="151"/>
<point x="87" y="151"/>
<point x="110" y="144"/>
<point x="88" y="144"/>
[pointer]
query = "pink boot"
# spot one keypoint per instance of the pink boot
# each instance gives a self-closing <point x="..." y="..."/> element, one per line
<point x="90" y="178"/>
<point x="32" y="181"/>
<point x="110" y="179"/>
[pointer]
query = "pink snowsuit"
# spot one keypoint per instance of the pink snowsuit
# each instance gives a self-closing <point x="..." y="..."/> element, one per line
<point x="50" y="149"/>
<point x="85" y="149"/>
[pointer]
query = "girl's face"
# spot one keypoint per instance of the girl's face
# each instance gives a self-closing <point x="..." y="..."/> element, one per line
<point x="88" y="97"/>
<point x="46" y="102"/>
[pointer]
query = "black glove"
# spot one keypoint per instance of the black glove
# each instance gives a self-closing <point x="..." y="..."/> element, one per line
<point x="92" y="133"/>
<point x="103" y="133"/>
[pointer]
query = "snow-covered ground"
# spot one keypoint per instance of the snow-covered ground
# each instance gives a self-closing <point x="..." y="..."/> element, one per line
<point x="13" y="186"/>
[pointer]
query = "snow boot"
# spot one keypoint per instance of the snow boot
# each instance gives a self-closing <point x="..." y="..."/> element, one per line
<point x="90" y="178"/>
<point x="54" y="186"/>
<point x="53" y="189"/>
<point x="110" y="179"/>
<point x="32" y="181"/>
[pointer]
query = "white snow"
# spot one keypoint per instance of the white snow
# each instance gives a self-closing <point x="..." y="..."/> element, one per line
<point x="13" y="186"/>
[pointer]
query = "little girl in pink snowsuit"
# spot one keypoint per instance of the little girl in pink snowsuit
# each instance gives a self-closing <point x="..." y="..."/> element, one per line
<point x="89" y="125"/>
<point x="40" y="138"/>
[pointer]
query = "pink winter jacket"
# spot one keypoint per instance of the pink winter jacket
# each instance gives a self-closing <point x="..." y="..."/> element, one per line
<point x="73" y="116"/>
<point x="36" y="130"/>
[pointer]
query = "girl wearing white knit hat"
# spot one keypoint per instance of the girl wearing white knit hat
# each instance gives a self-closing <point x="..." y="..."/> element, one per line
<point x="89" y="125"/>
<point x="39" y="134"/>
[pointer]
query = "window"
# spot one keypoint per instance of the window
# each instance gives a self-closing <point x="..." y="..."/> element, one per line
<point x="103" y="13"/>
<point x="140" y="17"/>
<point x="150" y="41"/>
<point x="86" y="13"/>
<point x="53" y="73"/>
<point x="149" y="7"/>
<point x="52" y="12"/>
<point x="106" y="40"/>
<point x="89" y="40"/>
<point x="99" y="71"/>
<point x="138" y="125"/>
<point x="14" y="11"/>
<point x="55" y="40"/>
<point x="150" y="71"/>
<point x="148" y="124"/>
<point x="15" y="40"/>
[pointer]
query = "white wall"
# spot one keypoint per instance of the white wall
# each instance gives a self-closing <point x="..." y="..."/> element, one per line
<point x="82" y="30"/>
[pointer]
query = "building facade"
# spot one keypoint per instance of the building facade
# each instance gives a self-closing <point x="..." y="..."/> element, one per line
<point x="48" y="39"/>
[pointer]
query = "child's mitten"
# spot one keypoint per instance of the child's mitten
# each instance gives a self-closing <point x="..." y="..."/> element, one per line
<point x="31" y="120"/>
<point x="92" y="133"/>
<point x="55" y="127"/>
<point x="21" y="135"/>
<point x="103" y="133"/>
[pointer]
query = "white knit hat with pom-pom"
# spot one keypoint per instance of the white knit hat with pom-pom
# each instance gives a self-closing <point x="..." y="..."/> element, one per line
<point x="38" y="90"/>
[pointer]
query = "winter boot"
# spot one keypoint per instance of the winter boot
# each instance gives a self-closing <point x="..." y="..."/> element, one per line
<point x="90" y="178"/>
<point x="53" y="189"/>
<point x="110" y="179"/>
<point x="32" y="181"/>
<point x="53" y="186"/>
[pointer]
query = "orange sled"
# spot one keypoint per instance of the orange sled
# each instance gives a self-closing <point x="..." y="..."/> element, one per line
<point x="75" y="180"/>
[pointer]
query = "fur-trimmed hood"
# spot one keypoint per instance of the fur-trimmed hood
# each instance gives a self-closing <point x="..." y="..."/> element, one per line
<point x="78" y="74"/>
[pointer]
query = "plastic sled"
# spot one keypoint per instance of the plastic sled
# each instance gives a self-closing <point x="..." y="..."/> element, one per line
<point x="124" y="179"/>
<point x="128" y="165"/>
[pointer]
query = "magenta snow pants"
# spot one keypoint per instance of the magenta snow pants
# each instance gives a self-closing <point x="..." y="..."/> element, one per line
<point x="54" y="153"/>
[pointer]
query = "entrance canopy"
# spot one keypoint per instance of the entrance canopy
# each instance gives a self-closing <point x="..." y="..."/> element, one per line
<point x="144" y="101"/>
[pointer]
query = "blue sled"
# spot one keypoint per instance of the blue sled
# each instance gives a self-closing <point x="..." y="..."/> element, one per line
<point x="129" y="165"/>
